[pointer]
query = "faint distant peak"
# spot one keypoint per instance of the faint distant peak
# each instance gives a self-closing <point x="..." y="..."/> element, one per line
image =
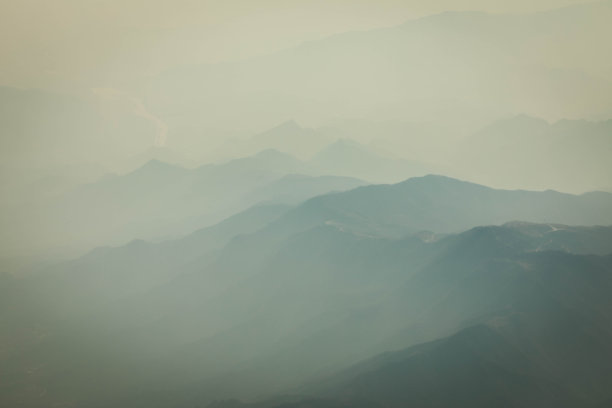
<point x="344" y="149"/>
<point x="432" y="178"/>
<point x="288" y="130"/>
<point x="273" y="154"/>
<point x="436" y="180"/>
<point x="287" y="126"/>
<point x="156" y="165"/>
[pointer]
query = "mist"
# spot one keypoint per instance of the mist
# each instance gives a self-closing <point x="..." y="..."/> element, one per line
<point x="305" y="204"/>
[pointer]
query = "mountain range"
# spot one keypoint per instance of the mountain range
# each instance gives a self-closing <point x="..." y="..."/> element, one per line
<point x="283" y="300"/>
<point x="417" y="215"/>
<point x="466" y="65"/>
<point x="161" y="200"/>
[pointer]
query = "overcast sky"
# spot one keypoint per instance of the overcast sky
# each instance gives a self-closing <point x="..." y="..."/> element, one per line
<point x="80" y="44"/>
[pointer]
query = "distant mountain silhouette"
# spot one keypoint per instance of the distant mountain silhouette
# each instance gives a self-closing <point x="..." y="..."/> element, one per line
<point x="298" y="230"/>
<point x="161" y="200"/>
<point x="349" y="158"/>
<point x="288" y="137"/>
<point x="568" y="154"/>
<point x="443" y="204"/>
<point x="295" y="188"/>
<point x="450" y="64"/>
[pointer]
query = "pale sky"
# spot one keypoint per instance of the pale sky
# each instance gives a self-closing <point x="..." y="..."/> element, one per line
<point x="80" y="44"/>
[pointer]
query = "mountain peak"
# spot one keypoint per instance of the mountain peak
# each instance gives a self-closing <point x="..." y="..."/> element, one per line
<point x="154" y="162"/>
<point x="287" y="126"/>
<point x="344" y="142"/>
<point x="157" y="164"/>
<point x="342" y="146"/>
<point x="437" y="179"/>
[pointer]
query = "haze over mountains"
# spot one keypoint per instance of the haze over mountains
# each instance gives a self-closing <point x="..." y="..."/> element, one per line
<point x="559" y="155"/>
<point x="171" y="200"/>
<point x="338" y="288"/>
<point x="414" y="214"/>
<point x="454" y="65"/>
<point x="161" y="200"/>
